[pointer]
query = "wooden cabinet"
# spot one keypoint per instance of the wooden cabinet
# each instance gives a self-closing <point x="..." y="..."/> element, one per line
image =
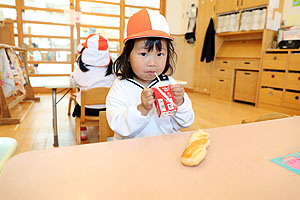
<point x="227" y="5"/>
<point x="252" y="3"/>
<point x="221" y="88"/>
<point x="292" y="100"/>
<point x="270" y="96"/>
<point x="275" y="60"/>
<point x="273" y="79"/>
<point x="245" y="86"/>
<point x="280" y="80"/>
<point x="222" y="79"/>
<point x="223" y="6"/>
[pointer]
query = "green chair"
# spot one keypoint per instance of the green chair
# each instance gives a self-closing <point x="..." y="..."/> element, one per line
<point x="8" y="147"/>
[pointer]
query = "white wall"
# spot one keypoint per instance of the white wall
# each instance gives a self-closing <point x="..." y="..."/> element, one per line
<point x="290" y="11"/>
<point x="177" y="15"/>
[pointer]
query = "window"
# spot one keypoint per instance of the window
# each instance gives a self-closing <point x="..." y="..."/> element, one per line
<point x="52" y="40"/>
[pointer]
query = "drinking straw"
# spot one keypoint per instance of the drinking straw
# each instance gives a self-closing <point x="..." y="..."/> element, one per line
<point x="158" y="78"/>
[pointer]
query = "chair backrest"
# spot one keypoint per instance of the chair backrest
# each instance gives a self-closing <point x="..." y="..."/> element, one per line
<point x="93" y="96"/>
<point x="267" y="116"/>
<point x="8" y="146"/>
<point x="104" y="129"/>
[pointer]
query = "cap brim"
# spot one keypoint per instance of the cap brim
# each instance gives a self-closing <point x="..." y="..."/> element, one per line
<point x="149" y="33"/>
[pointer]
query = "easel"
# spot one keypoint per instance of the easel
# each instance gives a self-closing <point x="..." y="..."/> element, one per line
<point x="8" y="103"/>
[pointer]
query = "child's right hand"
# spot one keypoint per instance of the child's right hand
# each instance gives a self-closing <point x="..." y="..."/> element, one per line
<point x="147" y="100"/>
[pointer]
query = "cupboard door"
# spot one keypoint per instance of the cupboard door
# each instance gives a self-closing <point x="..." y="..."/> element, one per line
<point x="252" y="3"/>
<point x="270" y="96"/>
<point x="221" y="88"/>
<point x="272" y="79"/>
<point x="292" y="100"/>
<point x="222" y="72"/>
<point x="245" y="86"/>
<point x="293" y="81"/>
<point x="247" y="64"/>
<point x="275" y="61"/>
<point x="227" y="5"/>
<point x="294" y="62"/>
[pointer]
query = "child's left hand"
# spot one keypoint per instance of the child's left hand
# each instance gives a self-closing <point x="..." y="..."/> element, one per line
<point x="178" y="92"/>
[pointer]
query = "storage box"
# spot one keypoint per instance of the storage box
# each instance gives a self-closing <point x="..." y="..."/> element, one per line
<point x="291" y="35"/>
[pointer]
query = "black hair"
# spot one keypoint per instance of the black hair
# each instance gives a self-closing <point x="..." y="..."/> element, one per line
<point x="83" y="66"/>
<point x="122" y="67"/>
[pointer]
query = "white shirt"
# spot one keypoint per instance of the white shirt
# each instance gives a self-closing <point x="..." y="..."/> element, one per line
<point x="95" y="77"/>
<point x="127" y="121"/>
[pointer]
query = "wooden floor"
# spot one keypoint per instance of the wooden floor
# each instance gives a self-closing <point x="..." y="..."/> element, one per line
<point x="35" y="132"/>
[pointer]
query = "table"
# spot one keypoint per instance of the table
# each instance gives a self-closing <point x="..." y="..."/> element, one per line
<point x="54" y="83"/>
<point x="237" y="166"/>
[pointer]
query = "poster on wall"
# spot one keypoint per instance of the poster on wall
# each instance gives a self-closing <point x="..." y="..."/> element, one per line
<point x="296" y="3"/>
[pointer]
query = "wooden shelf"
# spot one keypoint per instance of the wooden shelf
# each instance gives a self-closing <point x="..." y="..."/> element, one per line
<point x="281" y="50"/>
<point x="240" y="33"/>
<point x="240" y="49"/>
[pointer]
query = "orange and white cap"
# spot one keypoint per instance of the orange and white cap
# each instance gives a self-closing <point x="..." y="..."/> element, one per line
<point x="80" y="47"/>
<point x="96" y="51"/>
<point x="147" y="23"/>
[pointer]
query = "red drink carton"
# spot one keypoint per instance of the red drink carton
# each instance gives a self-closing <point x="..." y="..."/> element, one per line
<point x="165" y="101"/>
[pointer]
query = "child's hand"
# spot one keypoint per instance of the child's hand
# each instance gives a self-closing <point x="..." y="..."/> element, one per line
<point x="178" y="92"/>
<point x="147" y="100"/>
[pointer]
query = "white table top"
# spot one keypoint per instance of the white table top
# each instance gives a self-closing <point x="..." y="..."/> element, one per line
<point x="237" y="166"/>
<point x="58" y="82"/>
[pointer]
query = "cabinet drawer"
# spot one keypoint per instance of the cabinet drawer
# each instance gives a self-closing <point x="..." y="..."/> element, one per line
<point x="251" y="64"/>
<point x="245" y="86"/>
<point x="294" y="62"/>
<point x="270" y="96"/>
<point x="223" y="63"/>
<point x="293" y="81"/>
<point x="221" y="88"/>
<point x="222" y="72"/>
<point x="272" y="79"/>
<point x="274" y="61"/>
<point x="291" y="100"/>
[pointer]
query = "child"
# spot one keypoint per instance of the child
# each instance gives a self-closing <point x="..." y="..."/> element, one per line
<point x="130" y="103"/>
<point x="93" y="68"/>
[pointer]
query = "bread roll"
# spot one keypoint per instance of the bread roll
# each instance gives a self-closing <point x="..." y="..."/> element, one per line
<point x="198" y="135"/>
<point x="196" y="151"/>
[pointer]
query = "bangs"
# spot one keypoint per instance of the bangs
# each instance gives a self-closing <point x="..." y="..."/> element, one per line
<point x="152" y="42"/>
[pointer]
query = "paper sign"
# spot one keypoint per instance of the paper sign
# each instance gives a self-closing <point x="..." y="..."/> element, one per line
<point x="274" y="3"/>
<point x="296" y="3"/>
<point x="290" y="162"/>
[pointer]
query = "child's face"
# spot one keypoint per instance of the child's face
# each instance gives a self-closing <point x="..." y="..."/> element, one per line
<point x="144" y="64"/>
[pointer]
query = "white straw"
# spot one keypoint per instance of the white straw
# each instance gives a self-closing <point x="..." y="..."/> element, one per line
<point x="158" y="78"/>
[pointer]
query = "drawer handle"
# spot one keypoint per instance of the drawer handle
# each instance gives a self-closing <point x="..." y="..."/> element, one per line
<point x="272" y="76"/>
<point x="247" y="63"/>
<point x="270" y="94"/>
<point x="299" y="78"/>
<point x="297" y="97"/>
<point x="247" y="73"/>
<point x="221" y="80"/>
<point x="222" y="70"/>
<point x="225" y="61"/>
<point x="274" y="58"/>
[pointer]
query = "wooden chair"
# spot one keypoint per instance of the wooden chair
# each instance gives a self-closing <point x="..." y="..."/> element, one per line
<point x="104" y="129"/>
<point x="72" y="98"/>
<point x="267" y="116"/>
<point x="8" y="147"/>
<point x="91" y="96"/>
